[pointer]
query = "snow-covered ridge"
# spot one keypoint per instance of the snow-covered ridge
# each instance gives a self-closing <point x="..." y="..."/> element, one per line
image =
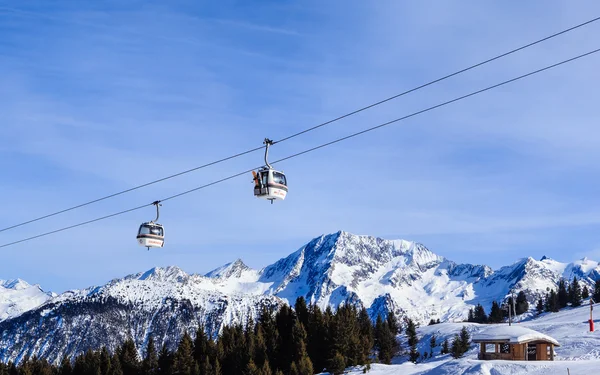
<point x="18" y="296"/>
<point x="383" y="275"/>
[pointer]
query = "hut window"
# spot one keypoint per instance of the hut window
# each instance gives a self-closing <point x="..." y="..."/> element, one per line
<point x="505" y="348"/>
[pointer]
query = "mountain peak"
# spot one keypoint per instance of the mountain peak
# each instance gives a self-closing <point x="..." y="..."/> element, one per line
<point x="166" y="274"/>
<point x="233" y="269"/>
<point x="15" y="284"/>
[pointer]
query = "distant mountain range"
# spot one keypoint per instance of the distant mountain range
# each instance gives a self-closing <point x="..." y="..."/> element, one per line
<point x="382" y="275"/>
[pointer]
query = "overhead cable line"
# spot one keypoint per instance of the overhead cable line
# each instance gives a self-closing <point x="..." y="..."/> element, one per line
<point x="303" y="131"/>
<point x="316" y="147"/>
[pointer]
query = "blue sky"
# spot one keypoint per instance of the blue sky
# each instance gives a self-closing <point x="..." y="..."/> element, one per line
<point x="96" y="97"/>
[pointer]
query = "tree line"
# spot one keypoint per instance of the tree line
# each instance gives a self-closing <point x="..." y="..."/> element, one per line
<point x="568" y="294"/>
<point x="299" y="341"/>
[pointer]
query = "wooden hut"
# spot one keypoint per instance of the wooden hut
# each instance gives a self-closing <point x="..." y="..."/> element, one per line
<point x="514" y="343"/>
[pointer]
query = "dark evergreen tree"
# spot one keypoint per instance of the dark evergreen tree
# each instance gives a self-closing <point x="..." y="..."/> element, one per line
<point x="105" y="362"/>
<point x="522" y="306"/>
<point x="300" y="358"/>
<point x="465" y="339"/>
<point x="540" y="306"/>
<point x="251" y="369"/>
<point x="366" y="335"/>
<point x="266" y="369"/>
<point x="585" y="293"/>
<point x="563" y="294"/>
<point x="260" y="348"/>
<point x="318" y="338"/>
<point x="432" y="344"/>
<point x="301" y="311"/>
<point x="150" y="362"/>
<point x="575" y="293"/>
<point x="337" y="364"/>
<point x="479" y="315"/>
<point x="266" y="320"/>
<point x="183" y="360"/>
<point x="445" y="347"/>
<point x="596" y="295"/>
<point x="218" y="370"/>
<point x="471" y="316"/>
<point x="455" y="349"/>
<point x="115" y="365"/>
<point x="411" y="334"/>
<point x="496" y="314"/>
<point x="284" y="321"/>
<point x="165" y="361"/>
<point x="201" y="345"/>
<point x="128" y="357"/>
<point x="207" y="368"/>
<point x="65" y="367"/>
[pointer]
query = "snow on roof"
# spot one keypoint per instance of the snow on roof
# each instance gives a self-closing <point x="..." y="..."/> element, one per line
<point x="512" y="334"/>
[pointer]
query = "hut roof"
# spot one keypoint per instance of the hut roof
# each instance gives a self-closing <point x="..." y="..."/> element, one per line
<point x="512" y="334"/>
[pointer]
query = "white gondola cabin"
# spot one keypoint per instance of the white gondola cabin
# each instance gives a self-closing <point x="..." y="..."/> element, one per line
<point x="269" y="184"/>
<point x="151" y="233"/>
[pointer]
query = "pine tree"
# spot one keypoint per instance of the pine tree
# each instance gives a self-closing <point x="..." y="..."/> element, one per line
<point x="284" y="320"/>
<point x="382" y="343"/>
<point x="596" y="295"/>
<point x="522" y="306"/>
<point x="445" y="349"/>
<point x="183" y="360"/>
<point x="301" y="310"/>
<point x="165" y="361"/>
<point x="207" y="368"/>
<point x="547" y="307"/>
<point x="105" y="362"/>
<point x="563" y="295"/>
<point x="266" y="369"/>
<point x="200" y="345"/>
<point x="575" y="295"/>
<point x="266" y="321"/>
<point x="471" y="316"/>
<point x="496" y="314"/>
<point x="465" y="339"/>
<point x="432" y="344"/>
<point x="251" y="369"/>
<point x="367" y="338"/>
<point x="411" y="333"/>
<point x="318" y="338"/>
<point x="585" y="293"/>
<point x="115" y="365"/>
<point x="455" y="350"/>
<point x="300" y="358"/>
<point x="129" y="358"/>
<point x="260" y="347"/>
<point x="336" y="365"/>
<point x="65" y="366"/>
<point x="218" y="370"/>
<point x="150" y="362"/>
<point x="479" y="314"/>
<point x="540" y="306"/>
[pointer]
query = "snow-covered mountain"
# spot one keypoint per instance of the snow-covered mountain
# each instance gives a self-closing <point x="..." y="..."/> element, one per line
<point x="383" y="275"/>
<point x="18" y="296"/>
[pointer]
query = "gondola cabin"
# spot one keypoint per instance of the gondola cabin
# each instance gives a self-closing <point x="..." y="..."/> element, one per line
<point x="151" y="235"/>
<point x="270" y="184"/>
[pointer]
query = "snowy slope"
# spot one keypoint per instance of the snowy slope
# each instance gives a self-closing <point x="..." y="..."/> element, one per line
<point x="579" y="349"/>
<point x="383" y="275"/>
<point x="18" y="296"/>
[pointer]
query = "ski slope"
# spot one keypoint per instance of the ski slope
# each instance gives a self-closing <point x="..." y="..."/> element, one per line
<point x="579" y="350"/>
